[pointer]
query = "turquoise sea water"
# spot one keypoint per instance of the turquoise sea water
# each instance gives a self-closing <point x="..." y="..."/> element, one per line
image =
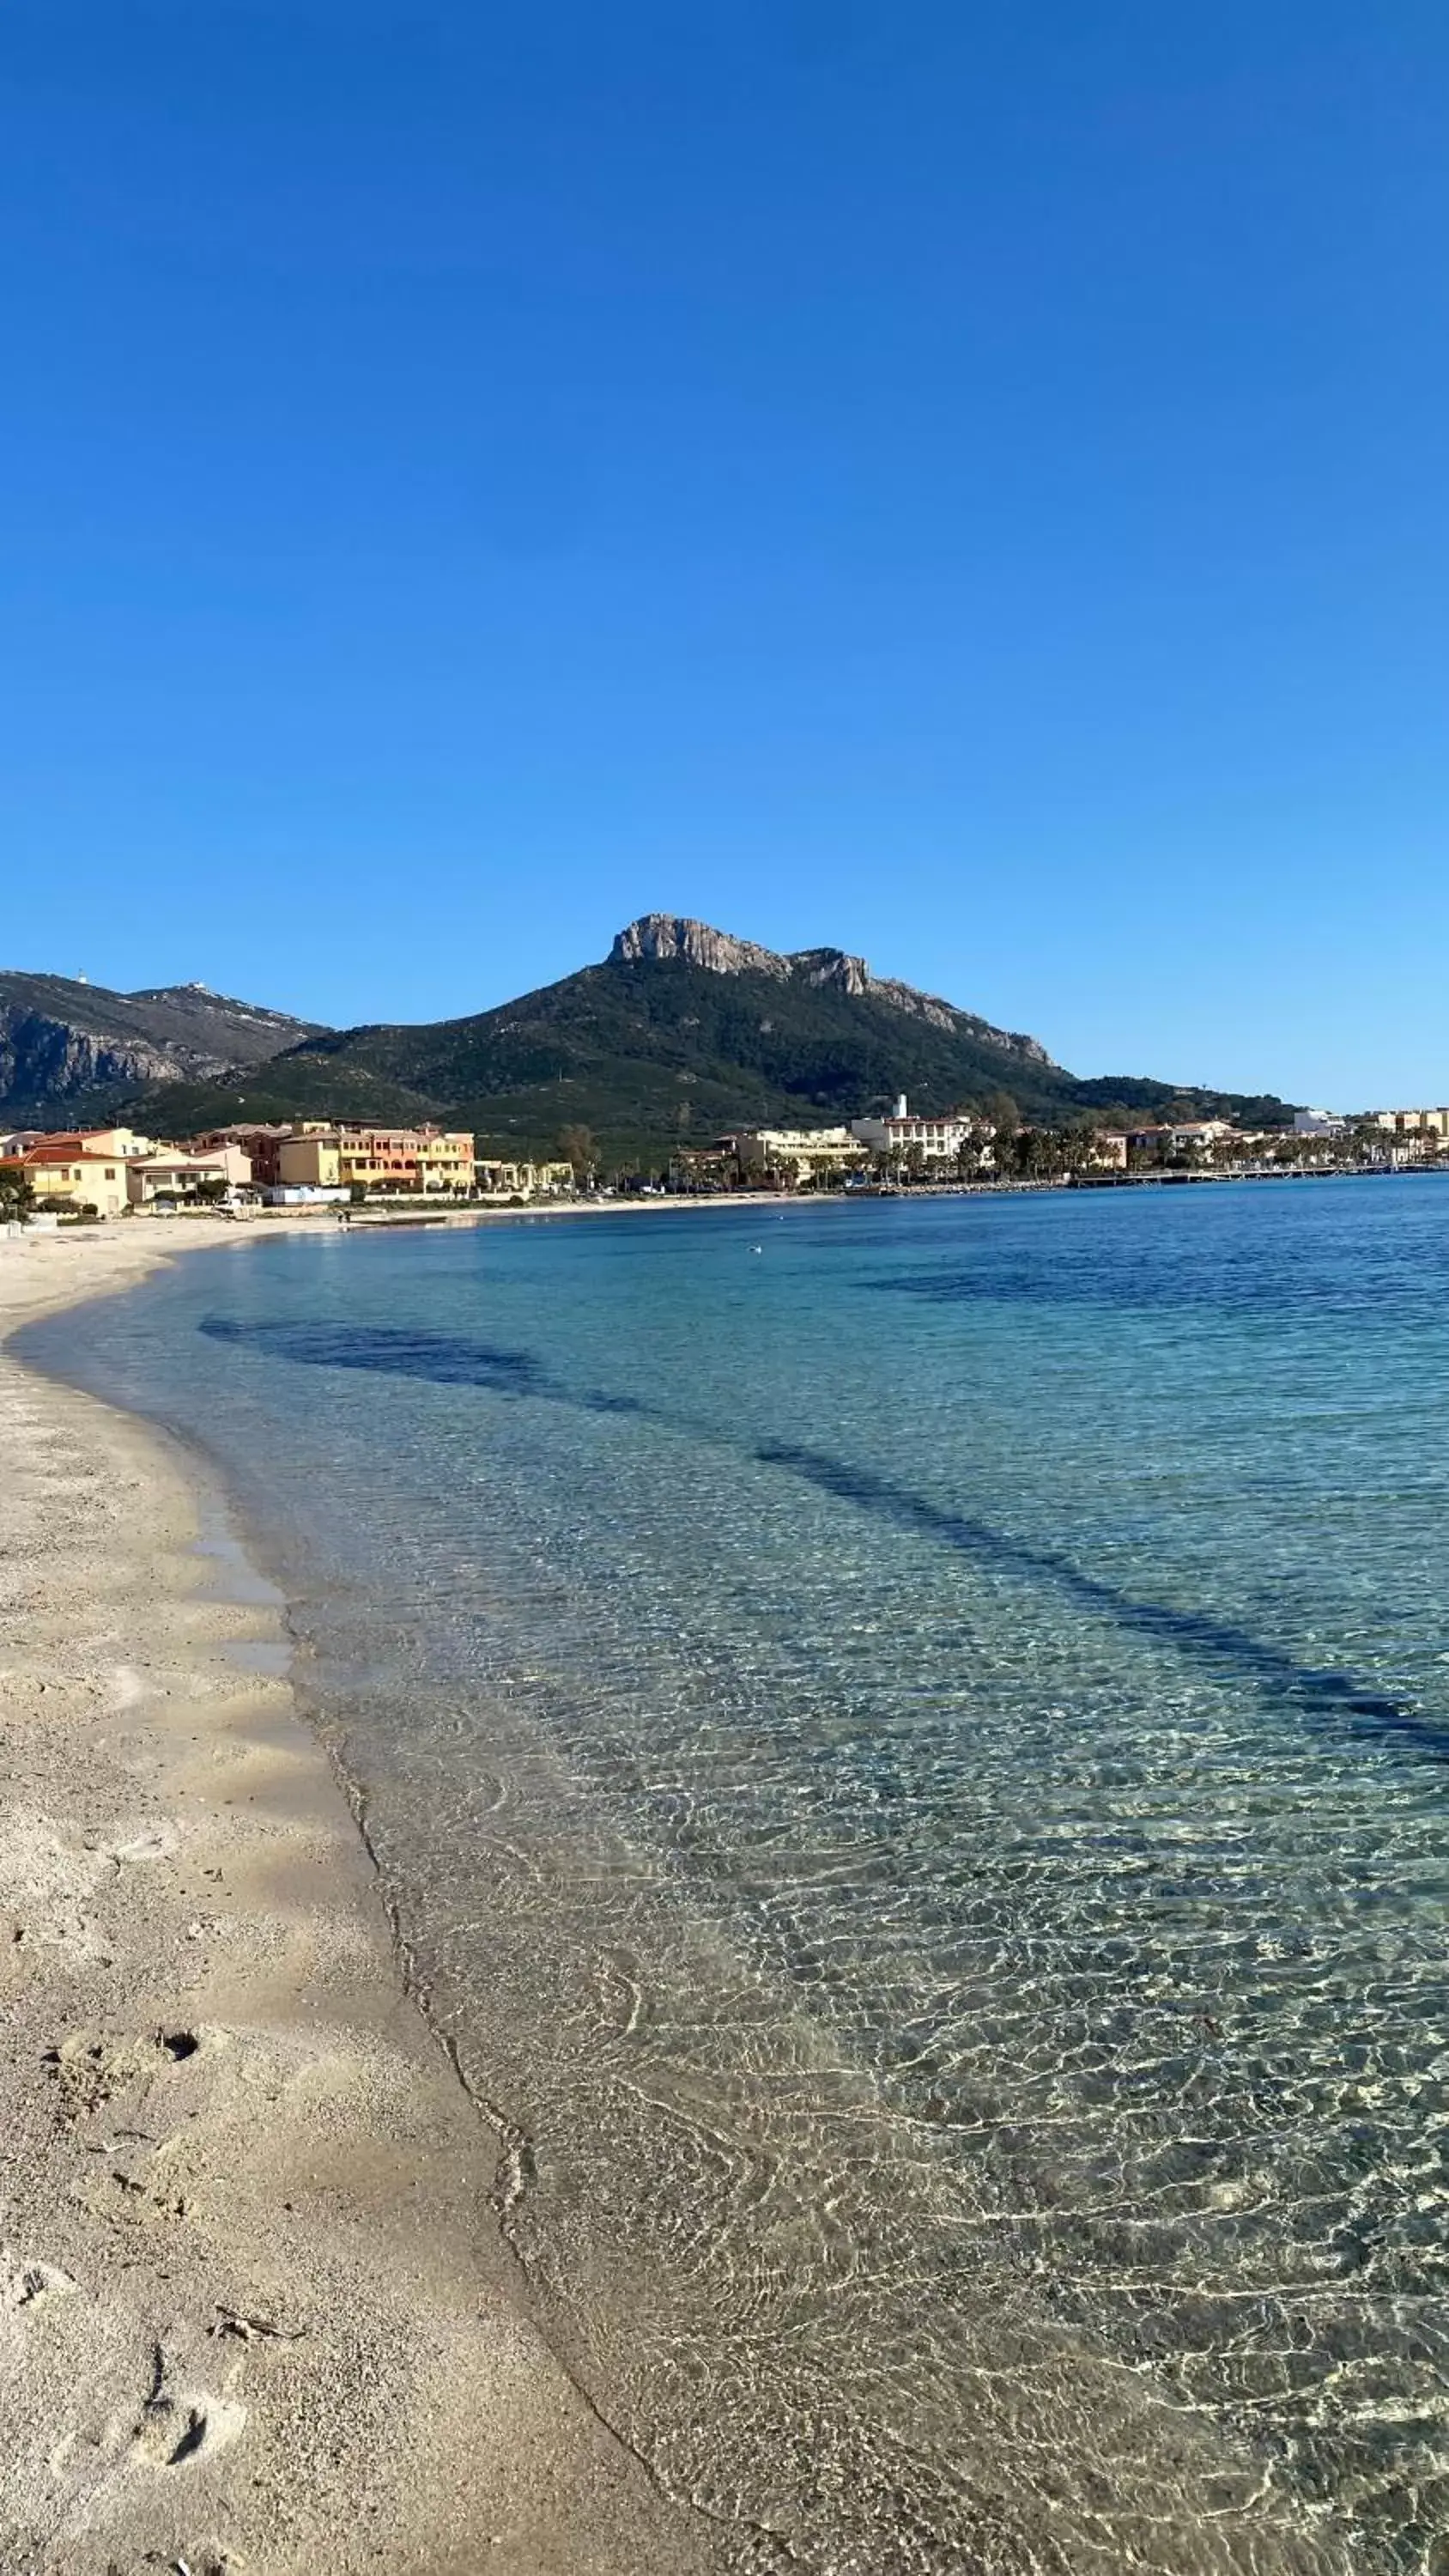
<point x="909" y="1747"/>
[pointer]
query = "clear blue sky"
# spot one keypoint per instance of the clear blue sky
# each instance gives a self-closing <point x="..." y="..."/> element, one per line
<point x="966" y="480"/>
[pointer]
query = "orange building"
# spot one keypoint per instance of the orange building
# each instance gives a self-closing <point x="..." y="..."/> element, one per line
<point x="405" y="1159"/>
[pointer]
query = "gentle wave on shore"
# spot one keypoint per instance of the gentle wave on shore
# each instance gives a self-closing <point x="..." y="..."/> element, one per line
<point x="907" y="1745"/>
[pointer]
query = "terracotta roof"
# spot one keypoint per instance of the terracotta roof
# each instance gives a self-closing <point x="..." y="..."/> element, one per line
<point x="63" y="1154"/>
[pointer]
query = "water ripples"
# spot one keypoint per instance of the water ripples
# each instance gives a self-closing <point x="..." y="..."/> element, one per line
<point x="927" y="1835"/>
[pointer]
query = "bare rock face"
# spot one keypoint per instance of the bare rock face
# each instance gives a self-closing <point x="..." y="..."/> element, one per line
<point x="672" y="935"/>
<point x="43" y="1059"/>
<point x="60" y="1036"/>
<point x="832" y="966"/>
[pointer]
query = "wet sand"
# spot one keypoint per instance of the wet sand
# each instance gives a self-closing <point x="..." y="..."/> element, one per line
<point x="255" y="2310"/>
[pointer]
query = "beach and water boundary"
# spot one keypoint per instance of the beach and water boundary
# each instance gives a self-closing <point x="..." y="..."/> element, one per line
<point x="255" y="2308"/>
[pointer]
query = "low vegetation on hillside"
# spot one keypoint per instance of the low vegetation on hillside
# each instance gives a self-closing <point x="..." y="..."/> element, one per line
<point x="650" y="1052"/>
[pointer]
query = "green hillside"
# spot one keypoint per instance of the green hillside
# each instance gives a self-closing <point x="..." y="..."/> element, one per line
<point x="680" y="1033"/>
<point x="651" y="1051"/>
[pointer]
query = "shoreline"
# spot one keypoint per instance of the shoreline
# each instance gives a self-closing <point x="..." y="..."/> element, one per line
<point x="256" y="2310"/>
<point x="464" y="2421"/>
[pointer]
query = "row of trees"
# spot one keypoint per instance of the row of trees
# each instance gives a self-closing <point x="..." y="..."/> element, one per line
<point x="1362" y="1143"/>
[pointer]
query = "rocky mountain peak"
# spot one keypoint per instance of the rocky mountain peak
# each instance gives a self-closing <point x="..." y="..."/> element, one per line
<point x="658" y="935"/>
<point x="673" y="934"/>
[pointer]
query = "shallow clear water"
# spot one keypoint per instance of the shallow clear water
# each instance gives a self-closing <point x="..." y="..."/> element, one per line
<point x="909" y="1744"/>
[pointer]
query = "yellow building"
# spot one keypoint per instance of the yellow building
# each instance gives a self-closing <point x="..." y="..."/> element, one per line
<point x="446" y="1161"/>
<point x="403" y="1159"/>
<point x="312" y="1161"/>
<point x="63" y="1178"/>
<point x="121" y="1142"/>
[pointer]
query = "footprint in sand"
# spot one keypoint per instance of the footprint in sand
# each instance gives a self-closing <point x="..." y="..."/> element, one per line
<point x="27" y="2285"/>
<point x="171" y="2425"/>
<point x="90" y="2071"/>
<point x="178" y="2424"/>
<point x="48" y="1882"/>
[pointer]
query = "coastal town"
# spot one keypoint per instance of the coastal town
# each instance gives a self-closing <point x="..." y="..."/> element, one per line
<point x="997" y="1146"/>
<point x="118" y="1171"/>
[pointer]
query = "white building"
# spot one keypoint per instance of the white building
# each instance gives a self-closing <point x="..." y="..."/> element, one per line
<point x="1190" y="1136"/>
<point x="1318" y="1122"/>
<point x="800" y="1153"/>
<point x="938" y="1140"/>
<point x="179" y="1175"/>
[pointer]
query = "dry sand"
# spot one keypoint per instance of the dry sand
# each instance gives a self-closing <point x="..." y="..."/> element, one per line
<point x="254" y="2309"/>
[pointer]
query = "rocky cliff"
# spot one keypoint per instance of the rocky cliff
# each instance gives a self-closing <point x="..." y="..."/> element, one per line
<point x="664" y="935"/>
<point x="658" y="935"/>
<point x="60" y="1037"/>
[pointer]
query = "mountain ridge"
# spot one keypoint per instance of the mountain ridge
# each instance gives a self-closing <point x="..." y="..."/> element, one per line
<point x="679" y="1033"/>
<point x="61" y="1037"/>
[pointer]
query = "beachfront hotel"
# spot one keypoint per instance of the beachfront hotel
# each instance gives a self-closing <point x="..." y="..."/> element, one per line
<point x="938" y="1139"/>
<point x="802" y="1153"/>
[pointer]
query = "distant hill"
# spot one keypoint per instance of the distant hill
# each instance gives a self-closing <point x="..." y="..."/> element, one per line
<point x="682" y="1031"/>
<point x="63" y="1040"/>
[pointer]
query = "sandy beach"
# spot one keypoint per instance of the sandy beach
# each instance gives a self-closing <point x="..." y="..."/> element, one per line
<point x="255" y="2313"/>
